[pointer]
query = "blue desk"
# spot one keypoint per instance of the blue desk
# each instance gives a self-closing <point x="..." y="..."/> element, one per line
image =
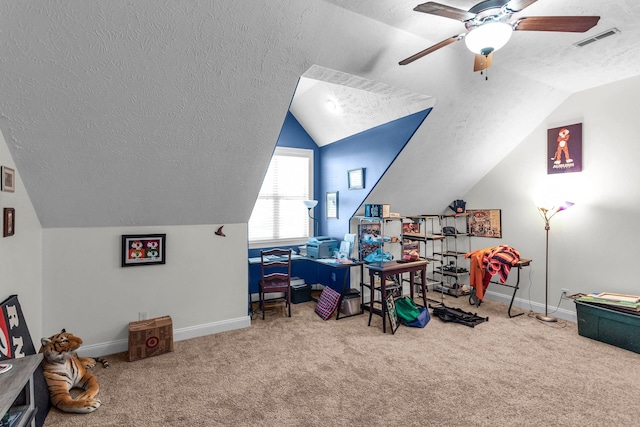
<point x="312" y="270"/>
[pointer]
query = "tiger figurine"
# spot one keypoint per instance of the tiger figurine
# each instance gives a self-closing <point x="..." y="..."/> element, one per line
<point x="64" y="370"/>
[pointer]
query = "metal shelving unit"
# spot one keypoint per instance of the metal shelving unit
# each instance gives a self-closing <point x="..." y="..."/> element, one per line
<point x="456" y="244"/>
<point x="421" y="230"/>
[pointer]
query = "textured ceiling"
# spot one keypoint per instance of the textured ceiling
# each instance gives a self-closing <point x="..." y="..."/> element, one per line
<point x="142" y="112"/>
<point x="332" y="105"/>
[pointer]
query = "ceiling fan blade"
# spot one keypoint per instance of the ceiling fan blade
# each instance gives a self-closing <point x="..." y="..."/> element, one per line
<point x="482" y="62"/>
<point x="438" y="9"/>
<point x="433" y="48"/>
<point x="518" y="5"/>
<point x="568" y="24"/>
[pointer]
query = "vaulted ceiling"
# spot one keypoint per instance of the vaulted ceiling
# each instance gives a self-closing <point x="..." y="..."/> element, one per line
<point x="142" y="112"/>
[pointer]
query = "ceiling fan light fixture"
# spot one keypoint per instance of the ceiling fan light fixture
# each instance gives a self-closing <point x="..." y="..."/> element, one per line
<point x="488" y="37"/>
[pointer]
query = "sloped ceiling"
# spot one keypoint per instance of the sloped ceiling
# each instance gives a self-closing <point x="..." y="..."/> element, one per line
<point x="332" y="105"/>
<point x="126" y="113"/>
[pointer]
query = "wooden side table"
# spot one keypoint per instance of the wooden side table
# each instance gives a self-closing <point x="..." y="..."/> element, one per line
<point x="391" y="269"/>
<point x="13" y="382"/>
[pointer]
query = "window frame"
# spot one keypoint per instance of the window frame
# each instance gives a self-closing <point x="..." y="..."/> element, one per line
<point x="290" y="152"/>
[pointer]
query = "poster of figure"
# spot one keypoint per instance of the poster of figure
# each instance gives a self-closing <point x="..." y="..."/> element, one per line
<point x="564" y="149"/>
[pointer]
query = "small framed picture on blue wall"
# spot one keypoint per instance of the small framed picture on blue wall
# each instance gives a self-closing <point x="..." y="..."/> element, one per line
<point x="355" y="179"/>
<point x="332" y="205"/>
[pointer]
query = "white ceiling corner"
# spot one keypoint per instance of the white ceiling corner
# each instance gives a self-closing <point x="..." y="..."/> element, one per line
<point x="360" y="104"/>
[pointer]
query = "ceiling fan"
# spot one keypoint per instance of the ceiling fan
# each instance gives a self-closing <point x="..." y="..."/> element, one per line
<point x="490" y="25"/>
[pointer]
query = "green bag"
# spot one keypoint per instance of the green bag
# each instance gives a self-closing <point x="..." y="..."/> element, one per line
<point x="407" y="309"/>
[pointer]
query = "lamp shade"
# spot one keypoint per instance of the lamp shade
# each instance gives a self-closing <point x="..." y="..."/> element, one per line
<point x="310" y="204"/>
<point x="488" y="37"/>
<point x="548" y="212"/>
<point x="565" y="205"/>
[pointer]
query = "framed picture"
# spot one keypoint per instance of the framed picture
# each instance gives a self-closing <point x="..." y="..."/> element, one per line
<point x="392" y="314"/>
<point x="564" y="149"/>
<point x="355" y="179"/>
<point x="8" y="179"/>
<point x="484" y="223"/>
<point x="9" y="227"/>
<point x="143" y="249"/>
<point x="332" y="205"/>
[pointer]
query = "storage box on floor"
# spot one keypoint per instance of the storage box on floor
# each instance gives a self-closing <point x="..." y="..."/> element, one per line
<point x="351" y="302"/>
<point x="610" y="326"/>
<point x="300" y="292"/>
<point x="150" y="337"/>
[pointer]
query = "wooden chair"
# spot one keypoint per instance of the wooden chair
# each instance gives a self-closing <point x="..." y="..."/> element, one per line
<point x="276" y="275"/>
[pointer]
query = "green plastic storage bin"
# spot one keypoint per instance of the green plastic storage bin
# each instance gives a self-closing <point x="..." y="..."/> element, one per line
<point x="609" y="326"/>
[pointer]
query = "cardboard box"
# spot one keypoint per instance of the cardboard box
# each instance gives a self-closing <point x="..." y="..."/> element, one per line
<point x="150" y="337"/>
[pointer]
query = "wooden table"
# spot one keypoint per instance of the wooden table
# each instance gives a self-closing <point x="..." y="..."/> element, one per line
<point x="19" y="379"/>
<point x="393" y="268"/>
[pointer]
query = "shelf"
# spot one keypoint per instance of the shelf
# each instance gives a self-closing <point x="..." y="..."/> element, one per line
<point x="377" y="232"/>
<point x="449" y="291"/>
<point x="20" y="415"/>
<point x="439" y="270"/>
<point x="452" y="253"/>
<point x="423" y="237"/>
<point x="376" y="218"/>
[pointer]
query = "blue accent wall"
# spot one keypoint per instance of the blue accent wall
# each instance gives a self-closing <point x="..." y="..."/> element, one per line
<point x="375" y="150"/>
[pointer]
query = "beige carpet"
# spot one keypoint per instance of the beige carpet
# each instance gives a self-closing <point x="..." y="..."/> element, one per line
<point x="306" y="371"/>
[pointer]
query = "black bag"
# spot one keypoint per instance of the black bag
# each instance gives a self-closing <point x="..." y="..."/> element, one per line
<point x="449" y="231"/>
<point x="458" y="206"/>
<point x="456" y="315"/>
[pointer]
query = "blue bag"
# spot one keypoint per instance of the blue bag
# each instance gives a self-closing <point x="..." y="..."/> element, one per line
<point x="421" y="321"/>
<point x="378" y="256"/>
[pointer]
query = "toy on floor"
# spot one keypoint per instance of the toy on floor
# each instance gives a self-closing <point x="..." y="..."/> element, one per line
<point x="64" y="370"/>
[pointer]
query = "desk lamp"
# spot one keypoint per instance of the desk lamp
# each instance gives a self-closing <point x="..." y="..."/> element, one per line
<point x="310" y="204"/>
<point x="547" y="214"/>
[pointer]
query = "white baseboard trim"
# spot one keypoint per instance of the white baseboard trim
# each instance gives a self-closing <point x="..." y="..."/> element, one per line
<point x="561" y="313"/>
<point x="119" y="346"/>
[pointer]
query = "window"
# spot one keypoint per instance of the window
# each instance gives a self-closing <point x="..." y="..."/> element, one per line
<point x="279" y="217"/>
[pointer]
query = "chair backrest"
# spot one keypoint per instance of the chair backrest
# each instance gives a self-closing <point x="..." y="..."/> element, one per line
<point x="276" y="264"/>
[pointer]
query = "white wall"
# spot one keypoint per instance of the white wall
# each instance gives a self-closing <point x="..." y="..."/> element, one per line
<point x="21" y="254"/>
<point x="593" y="246"/>
<point x="203" y="286"/>
<point x="71" y="278"/>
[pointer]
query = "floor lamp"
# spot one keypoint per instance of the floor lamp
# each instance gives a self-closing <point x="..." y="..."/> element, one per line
<point x="547" y="214"/>
<point x="310" y="204"/>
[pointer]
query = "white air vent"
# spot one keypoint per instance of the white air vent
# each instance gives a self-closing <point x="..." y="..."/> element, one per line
<point x="597" y="37"/>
